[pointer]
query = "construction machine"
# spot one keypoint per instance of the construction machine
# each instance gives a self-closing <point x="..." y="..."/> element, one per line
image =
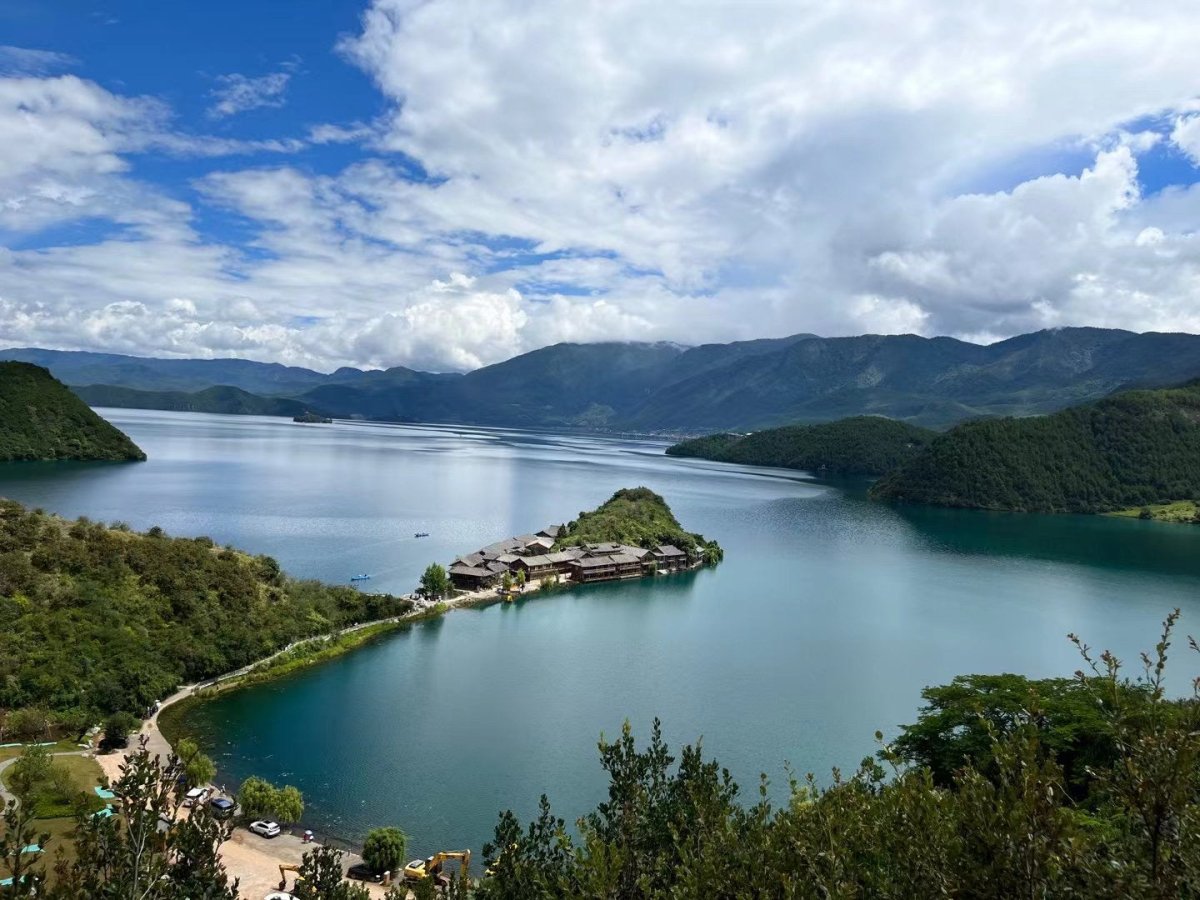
<point x="420" y="869"/>
<point x="284" y="868"/>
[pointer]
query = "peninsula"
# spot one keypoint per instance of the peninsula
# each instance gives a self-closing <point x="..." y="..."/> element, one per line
<point x="633" y="534"/>
<point x="859" y="445"/>
<point x="40" y="419"/>
<point x="1131" y="451"/>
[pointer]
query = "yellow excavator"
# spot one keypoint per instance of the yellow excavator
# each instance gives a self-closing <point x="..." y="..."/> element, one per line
<point x="283" y="870"/>
<point x="420" y="869"/>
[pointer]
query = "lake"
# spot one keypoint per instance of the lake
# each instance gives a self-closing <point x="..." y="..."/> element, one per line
<point x="828" y="616"/>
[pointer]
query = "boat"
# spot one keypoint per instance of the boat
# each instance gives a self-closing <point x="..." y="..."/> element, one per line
<point x="360" y="577"/>
<point x="421" y="534"/>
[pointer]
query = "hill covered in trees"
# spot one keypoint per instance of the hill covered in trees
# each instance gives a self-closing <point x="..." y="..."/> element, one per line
<point x="98" y="619"/>
<point x="637" y="517"/>
<point x="1129" y="450"/>
<point x="40" y="419"/>
<point x="861" y="445"/>
<point x="218" y="399"/>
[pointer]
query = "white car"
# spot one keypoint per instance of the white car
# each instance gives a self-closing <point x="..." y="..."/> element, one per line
<point x="279" y="895"/>
<point x="266" y="829"/>
<point x="194" y="796"/>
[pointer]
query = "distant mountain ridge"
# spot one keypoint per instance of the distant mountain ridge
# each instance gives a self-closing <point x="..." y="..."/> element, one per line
<point x="221" y="399"/>
<point x="41" y="420"/>
<point x="663" y="387"/>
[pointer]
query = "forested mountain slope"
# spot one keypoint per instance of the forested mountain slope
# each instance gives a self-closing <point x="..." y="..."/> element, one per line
<point x="40" y="419"/>
<point x="1134" y="448"/>
<point x="664" y="387"/>
<point x="861" y="445"/>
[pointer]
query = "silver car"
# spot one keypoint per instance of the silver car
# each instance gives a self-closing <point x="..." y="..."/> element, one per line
<point x="266" y="829"/>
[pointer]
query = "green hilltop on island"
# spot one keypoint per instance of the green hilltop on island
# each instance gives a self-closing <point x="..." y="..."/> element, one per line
<point x="40" y="419"/>
<point x="631" y="535"/>
<point x="860" y="445"/>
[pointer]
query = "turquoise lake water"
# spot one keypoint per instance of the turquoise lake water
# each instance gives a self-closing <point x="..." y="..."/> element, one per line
<point x="827" y="618"/>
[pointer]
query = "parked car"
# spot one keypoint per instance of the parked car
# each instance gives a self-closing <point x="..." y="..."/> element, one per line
<point x="362" y="872"/>
<point x="194" y="796"/>
<point x="279" y="895"/>
<point x="266" y="829"/>
<point x="221" y="807"/>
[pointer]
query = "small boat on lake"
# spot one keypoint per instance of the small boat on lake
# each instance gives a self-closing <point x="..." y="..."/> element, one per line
<point x="421" y="534"/>
<point x="360" y="577"/>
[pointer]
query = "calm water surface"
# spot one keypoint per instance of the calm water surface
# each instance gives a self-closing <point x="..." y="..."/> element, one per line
<point x="826" y="620"/>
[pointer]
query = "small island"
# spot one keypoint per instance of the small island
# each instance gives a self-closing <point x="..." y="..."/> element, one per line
<point x="633" y="534"/>
<point x="311" y="418"/>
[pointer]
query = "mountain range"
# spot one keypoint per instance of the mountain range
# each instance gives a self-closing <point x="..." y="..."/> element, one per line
<point x="668" y="388"/>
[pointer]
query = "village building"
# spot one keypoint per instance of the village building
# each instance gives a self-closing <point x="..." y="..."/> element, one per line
<point x="535" y="556"/>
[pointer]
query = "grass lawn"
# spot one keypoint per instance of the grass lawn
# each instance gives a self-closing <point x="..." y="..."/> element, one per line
<point x="61" y="832"/>
<point x="84" y="774"/>
<point x="1182" y="511"/>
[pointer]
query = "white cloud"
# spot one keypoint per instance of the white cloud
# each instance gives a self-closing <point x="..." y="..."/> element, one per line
<point x="27" y="61"/>
<point x="692" y="172"/>
<point x="236" y="93"/>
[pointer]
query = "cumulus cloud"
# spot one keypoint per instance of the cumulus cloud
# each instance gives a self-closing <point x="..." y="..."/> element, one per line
<point x="237" y="93"/>
<point x="694" y="172"/>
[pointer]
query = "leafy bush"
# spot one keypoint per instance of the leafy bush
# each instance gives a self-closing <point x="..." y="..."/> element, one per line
<point x="385" y="849"/>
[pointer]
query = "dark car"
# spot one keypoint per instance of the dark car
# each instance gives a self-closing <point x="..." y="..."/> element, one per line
<point x="221" y="807"/>
<point x="363" y="872"/>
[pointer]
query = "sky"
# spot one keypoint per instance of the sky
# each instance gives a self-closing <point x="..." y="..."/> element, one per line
<point x="444" y="184"/>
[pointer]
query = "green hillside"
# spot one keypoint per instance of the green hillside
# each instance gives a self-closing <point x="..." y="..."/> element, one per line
<point x="637" y="517"/>
<point x="1130" y="450"/>
<point x="861" y="445"/>
<point x="40" y="419"/>
<point x="99" y="619"/>
<point x="219" y="399"/>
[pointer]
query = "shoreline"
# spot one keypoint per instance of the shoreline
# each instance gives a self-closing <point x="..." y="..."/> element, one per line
<point x="255" y="861"/>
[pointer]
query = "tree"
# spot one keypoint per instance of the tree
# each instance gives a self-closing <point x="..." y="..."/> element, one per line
<point x="259" y="799"/>
<point x="435" y="583"/>
<point x="289" y="804"/>
<point x="321" y="878"/>
<point x="118" y="727"/>
<point x="521" y="579"/>
<point x="131" y="856"/>
<point x="30" y="772"/>
<point x="384" y="849"/>
<point x="17" y="834"/>
<point x="26" y="724"/>
<point x="198" y="768"/>
<point x="506" y="582"/>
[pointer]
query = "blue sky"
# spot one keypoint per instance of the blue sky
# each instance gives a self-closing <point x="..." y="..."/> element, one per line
<point x="445" y="183"/>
